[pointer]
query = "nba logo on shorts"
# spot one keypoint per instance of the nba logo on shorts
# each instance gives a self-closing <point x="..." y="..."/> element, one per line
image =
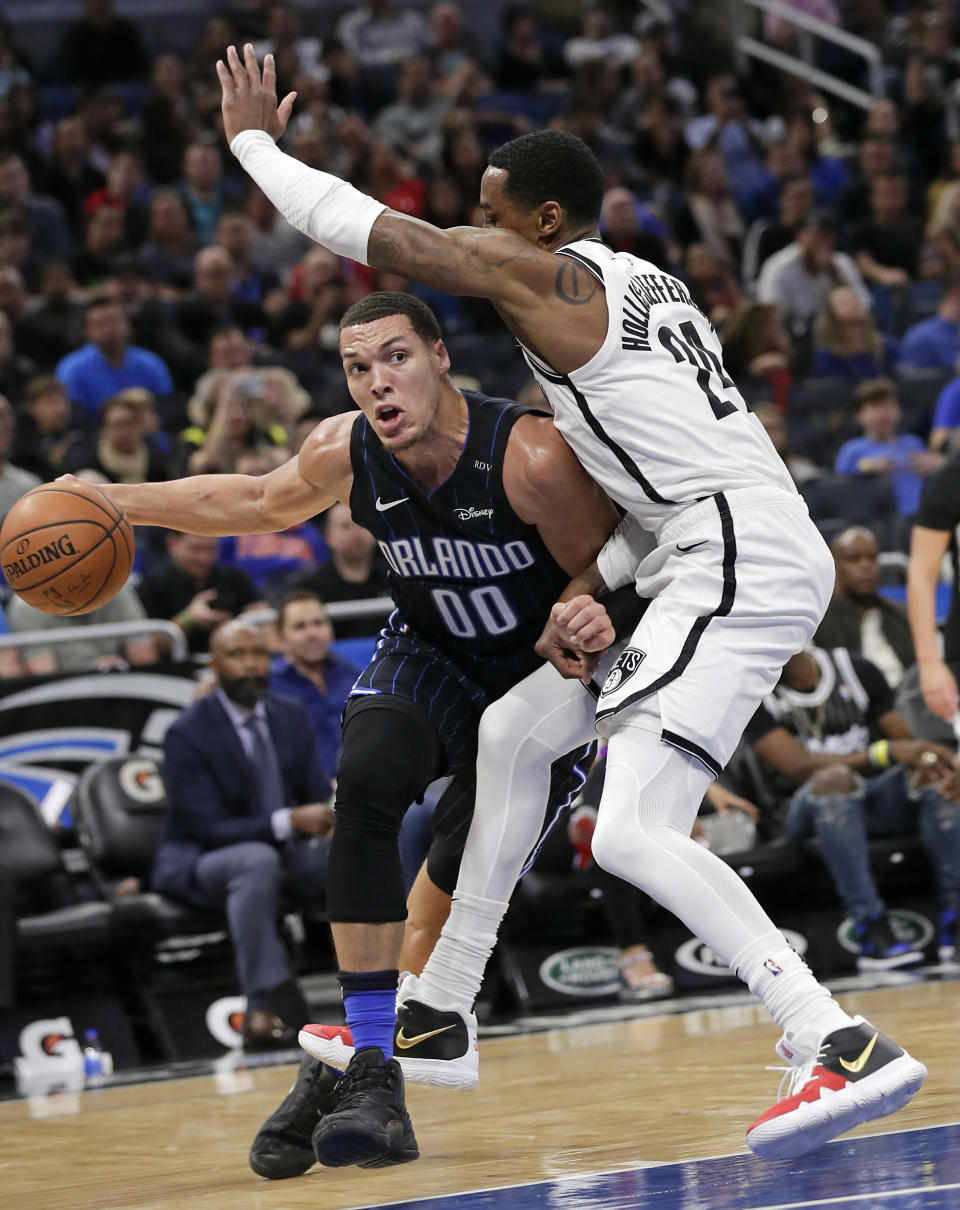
<point x="627" y="664"/>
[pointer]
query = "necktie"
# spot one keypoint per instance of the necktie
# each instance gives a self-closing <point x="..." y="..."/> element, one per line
<point x="266" y="766"/>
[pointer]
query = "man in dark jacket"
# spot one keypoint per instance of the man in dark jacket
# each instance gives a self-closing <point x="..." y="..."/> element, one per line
<point x="858" y="618"/>
<point x="247" y="818"/>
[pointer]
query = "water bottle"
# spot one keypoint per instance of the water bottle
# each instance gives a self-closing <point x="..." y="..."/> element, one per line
<point x="92" y="1058"/>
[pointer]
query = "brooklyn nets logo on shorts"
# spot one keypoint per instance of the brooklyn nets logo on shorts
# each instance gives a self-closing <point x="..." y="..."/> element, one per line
<point x="627" y="664"/>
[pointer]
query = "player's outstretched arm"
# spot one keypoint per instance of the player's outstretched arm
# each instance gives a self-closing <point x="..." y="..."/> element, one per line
<point x="489" y="263"/>
<point x="220" y="505"/>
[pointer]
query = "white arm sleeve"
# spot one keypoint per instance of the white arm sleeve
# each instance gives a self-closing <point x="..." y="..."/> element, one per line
<point x="623" y="552"/>
<point x="319" y="204"/>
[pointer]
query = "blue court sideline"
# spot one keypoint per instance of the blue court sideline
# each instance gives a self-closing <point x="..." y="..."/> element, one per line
<point x="910" y="1170"/>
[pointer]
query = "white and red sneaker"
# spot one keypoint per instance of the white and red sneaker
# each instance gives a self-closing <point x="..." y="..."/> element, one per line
<point x="853" y="1075"/>
<point x="432" y="1045"/>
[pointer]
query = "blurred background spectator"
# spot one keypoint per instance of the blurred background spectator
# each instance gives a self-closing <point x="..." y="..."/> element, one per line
<point x="108" y="363"/>
<point x="846" y="343"/>
<point x="14" y="481"/>
<point x="191" y="588"/>
<point x="354" y="570"/>
<point x="858" y="617"/>
<point x="310" y="672"/>
<point x="80" y="656"/>
<point x="882" y="450"/>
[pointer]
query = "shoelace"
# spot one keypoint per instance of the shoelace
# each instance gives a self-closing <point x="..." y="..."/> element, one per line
<point x="359" y="1079"/>
<point x="794" y="1077"/>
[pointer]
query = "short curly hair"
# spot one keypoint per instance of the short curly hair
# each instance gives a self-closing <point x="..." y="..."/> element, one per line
<point x="393" y="302"/>
<point x="552" y="166"/>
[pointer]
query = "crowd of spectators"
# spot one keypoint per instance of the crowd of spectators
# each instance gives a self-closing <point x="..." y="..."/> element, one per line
<point x="158" y="318"/>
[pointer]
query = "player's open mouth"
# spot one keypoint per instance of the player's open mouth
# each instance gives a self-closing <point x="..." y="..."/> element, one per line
<point x="387" y="416"/>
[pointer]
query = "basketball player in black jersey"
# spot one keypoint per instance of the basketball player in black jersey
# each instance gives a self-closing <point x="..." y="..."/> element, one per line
<point x="483" y="514"/>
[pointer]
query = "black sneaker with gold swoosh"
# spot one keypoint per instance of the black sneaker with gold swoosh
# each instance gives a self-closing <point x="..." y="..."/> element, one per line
<point x="834" y="1083"/>
<point x="283" y="1146"/>
<point x="436" y="1046"/>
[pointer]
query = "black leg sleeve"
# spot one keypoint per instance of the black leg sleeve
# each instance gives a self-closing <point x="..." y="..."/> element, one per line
<point x="391" y="753"/>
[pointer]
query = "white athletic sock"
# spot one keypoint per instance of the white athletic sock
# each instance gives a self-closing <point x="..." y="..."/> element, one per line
<point x="454" y="972"/>
<point x="779" y="976"/>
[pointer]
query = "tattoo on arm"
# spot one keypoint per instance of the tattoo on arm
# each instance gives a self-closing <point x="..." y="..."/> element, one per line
<point x="594" y="582"/>
<point x="459" y="261"/>
<point x="574" y="285"/>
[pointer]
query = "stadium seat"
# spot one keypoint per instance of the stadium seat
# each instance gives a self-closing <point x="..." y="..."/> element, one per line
<point x="120" y="809"/>
<point x="854" y="499"/>
<point x="919" y="391"/>
<point x="821" y="397"/>
<point x="61" y="947"/>
<point x="33" y="861"/>
<point x="169" y="949"/>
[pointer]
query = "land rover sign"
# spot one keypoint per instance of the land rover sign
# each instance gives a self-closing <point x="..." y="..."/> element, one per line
<point x="587" y="971"/>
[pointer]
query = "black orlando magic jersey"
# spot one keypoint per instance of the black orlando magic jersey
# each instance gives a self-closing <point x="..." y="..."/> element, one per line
<point x="467" y="575"/>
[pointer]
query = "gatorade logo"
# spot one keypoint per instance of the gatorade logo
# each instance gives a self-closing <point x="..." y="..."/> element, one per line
<point x="225" y="1020"/>
<point x="140" y="780"/>
<point x="51" y="553"/>
<point x="49" y="1039"/>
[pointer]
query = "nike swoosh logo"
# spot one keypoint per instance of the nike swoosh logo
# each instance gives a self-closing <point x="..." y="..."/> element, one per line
<point x="859" y="1063"/>
<point x="382" y="508"/>
<point x="693" y="546"/>
<point x="405" y="1043"/>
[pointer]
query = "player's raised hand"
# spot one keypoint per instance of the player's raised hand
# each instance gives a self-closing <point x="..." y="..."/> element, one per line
<point x="249" y="101"/>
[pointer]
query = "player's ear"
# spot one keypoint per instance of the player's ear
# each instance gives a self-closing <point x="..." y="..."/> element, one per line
<point x="443" y="357"/>
<point x="549" y="219"/>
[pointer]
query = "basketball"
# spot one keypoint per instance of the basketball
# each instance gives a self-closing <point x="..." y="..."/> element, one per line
<point x="66" y="548"/>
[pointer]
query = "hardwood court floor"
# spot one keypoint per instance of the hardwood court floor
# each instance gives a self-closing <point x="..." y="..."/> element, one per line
<point x="648" y="1090"/>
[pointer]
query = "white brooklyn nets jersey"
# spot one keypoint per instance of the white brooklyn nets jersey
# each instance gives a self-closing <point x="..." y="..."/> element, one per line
<point x="653" y="416"/>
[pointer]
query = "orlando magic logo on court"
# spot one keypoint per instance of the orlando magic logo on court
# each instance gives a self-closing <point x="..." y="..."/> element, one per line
<point x="627" y="664"/>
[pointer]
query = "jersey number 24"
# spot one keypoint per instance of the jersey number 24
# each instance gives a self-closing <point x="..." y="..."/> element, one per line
<point x="686" y="346"/>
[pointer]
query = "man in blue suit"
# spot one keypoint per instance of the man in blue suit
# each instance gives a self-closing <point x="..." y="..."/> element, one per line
<point x="247" y="818"/>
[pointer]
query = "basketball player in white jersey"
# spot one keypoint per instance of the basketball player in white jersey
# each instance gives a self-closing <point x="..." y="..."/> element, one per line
<point x="738" y="579"/>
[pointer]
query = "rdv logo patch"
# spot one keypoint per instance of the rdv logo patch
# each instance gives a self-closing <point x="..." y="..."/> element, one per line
<point x="628" y="661"/>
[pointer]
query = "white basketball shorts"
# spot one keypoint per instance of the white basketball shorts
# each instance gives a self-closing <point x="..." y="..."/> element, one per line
<point x="737" y="584"/>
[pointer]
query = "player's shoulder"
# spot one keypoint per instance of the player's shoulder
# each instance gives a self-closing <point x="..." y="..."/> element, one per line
<point x="325" y="454"/>
<point x="332" y="432"/>
<point x="537" y="459"/>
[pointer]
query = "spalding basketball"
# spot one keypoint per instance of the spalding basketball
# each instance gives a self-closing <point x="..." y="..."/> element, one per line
<point x="66" y="548"/>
